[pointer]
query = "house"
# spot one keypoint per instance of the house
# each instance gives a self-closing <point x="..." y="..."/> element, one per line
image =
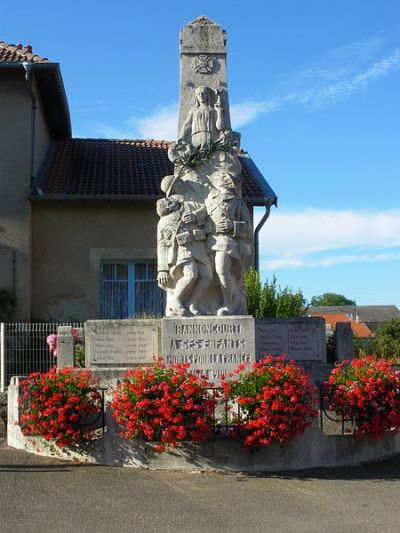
<point x="77" y="216"/>
<point x="370" y="315"/>
<point x="359" y="329"/>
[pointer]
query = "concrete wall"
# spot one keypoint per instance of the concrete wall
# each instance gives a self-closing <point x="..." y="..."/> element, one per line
<point x="314" y="449"/>
<point x="15" y="182"/>
<point x="70" y="238"/>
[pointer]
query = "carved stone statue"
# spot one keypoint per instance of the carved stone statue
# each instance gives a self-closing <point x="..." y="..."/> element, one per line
<point x="205" y="121"/>
<point x="204" y="232"/>
<point x="230" y="238"/>
<point x="184" y="266"/>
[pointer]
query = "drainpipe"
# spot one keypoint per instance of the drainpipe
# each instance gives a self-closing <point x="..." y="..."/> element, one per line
<point x="256" y="241"/>
<point x="28" y="78"/>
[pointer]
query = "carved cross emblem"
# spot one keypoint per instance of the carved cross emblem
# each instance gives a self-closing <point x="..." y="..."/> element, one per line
<point x="203" y="64"/>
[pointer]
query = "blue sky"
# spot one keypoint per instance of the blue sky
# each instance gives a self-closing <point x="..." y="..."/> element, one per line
<point x="314" y="88"/>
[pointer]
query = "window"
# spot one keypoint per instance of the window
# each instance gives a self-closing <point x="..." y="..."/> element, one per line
<point x="129" y="288"/>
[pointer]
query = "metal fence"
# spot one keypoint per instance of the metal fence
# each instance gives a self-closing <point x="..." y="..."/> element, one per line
<point x="23" y="349"/>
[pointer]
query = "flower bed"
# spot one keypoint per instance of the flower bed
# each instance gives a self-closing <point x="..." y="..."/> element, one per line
<point x="165" y="404"/>
<point x="366" y="391"/>
<point x="55" y="404"/>
<point x="276" y="401"/>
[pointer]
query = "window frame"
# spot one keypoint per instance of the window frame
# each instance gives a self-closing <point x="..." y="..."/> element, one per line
<point x="131" y="281"/>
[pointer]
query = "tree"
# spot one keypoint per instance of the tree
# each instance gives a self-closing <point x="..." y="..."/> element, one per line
<point x="387" y="340"/>
<point x="270" y="300"/>
<point x="331" y="298"/>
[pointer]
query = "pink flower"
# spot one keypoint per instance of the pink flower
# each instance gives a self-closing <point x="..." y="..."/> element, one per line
<point x="52" y="342"/>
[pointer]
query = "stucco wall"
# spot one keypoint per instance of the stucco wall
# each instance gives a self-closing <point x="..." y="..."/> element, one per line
<point x="15" y="129"/>
<point x="15" y="183"/>
<point x="70" y="238"/>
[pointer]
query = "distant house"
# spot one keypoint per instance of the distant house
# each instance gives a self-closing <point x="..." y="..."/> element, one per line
<point x="371" y="315"/>
<point x="77" y="216"/>
<point x="360" y="329"/>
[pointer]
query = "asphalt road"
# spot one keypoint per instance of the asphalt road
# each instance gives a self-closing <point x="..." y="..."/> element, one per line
<point x="45" y="495"/>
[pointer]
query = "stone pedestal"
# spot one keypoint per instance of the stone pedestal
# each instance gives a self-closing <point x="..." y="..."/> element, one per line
<point x="213" y="345"/>
<point x="65" y="347"/>
<point x="344" y="343"/>
<point x="301" y="339"/>
<point x="121" y="343"/>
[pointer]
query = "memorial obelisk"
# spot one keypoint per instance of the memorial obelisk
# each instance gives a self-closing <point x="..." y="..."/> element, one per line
<point x="204" y="233"/>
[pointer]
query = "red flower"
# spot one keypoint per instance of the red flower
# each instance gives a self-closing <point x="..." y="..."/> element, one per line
<point x="276" y="401"/>
<point x="57" y="410"/>
<point x="366" y="391"/>
<point x="163" y="403"/>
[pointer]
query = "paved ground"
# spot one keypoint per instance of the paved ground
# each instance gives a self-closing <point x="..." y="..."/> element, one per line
<point x="45" y="495"/>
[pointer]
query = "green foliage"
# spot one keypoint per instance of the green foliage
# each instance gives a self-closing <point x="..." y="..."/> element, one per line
<point x="203" y="154"/>
<point x="331" y="298"/>
<point x="270" y="300"/>
<point x="385" y="344"/>
<point x="252" y="283"/>
<point x="80" y="355"/>
<point x="387" y="340"/>
<point x="363" y="347"/>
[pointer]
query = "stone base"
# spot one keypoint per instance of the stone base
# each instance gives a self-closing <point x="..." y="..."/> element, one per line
<point x="121" y="343"/>
<point x="212" y="345"/>
<point x="300" y="338"/>
<point x="313" y="450"/>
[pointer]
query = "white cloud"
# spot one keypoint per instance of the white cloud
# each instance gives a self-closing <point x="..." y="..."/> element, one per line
<point x="289" y="239"/>
<point x="306" y="262"/>
<point x="162" y="124"/>
<point x="244" y="112"/>
<point x="315" y="230"/>
<point x="358" y="83"/>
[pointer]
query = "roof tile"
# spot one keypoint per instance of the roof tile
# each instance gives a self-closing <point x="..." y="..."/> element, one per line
<point x="359" y="328"/>
<point x="87" y="167"/>
<point x="16" y="53"/>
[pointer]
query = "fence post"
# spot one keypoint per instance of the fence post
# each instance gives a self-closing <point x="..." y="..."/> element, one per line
<point x="2" y="356"/>
<point x="65" y="347"/>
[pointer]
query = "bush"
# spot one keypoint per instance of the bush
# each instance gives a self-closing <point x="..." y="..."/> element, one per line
<point x="55" y="404"/>
<point x="387" y="340"/>
<point x="165" y="404"/>
<point x="270" y="300"/>
<point x="367" y="392"/>
<point x="276" y="400"/>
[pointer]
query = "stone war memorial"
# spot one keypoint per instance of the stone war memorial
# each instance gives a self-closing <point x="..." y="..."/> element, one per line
<point x="204" y="234"/>
<point x="204" y="244"/>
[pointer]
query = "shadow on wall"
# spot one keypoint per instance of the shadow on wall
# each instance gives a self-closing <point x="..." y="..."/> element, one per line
<point x="7" y="305"/>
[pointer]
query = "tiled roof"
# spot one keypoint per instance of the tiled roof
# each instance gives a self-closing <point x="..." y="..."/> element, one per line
<point x="16" y="53"/>
<point x="125" y="168"/>
<point x="359" y="328"/>
<point x="366" y="313"/>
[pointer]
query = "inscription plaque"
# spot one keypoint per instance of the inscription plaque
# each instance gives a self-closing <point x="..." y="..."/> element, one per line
<point x="214" y="346"/>
<point x="301" y="339"/>
<point x="121" y="342"/>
